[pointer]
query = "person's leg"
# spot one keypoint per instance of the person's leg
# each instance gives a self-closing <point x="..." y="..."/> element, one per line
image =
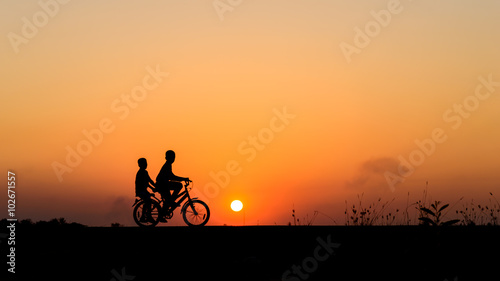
<point x="147" y="206"/>
<point x="176" y="187"/>
<point x="164" y="192"/>
<point x="165" y="197"/>
<point x="146" y="210"/>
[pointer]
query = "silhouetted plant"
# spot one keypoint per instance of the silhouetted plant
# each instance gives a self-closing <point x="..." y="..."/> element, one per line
<point x="26" y="222"/>
<point x="368" y="215"/>
<point x="296" y="221"/>
<point x="52" y="223"/>
<point x="469" y="214"/>
<point x="389" y="218"/>
<point x="473" y="214"/>
<point x="433" y="215"/>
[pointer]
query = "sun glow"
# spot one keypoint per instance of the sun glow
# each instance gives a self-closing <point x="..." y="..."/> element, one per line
<point x="236" y="205"/>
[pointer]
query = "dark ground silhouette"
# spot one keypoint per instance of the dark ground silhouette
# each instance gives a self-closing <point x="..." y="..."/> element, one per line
<point x="62" y="251"/>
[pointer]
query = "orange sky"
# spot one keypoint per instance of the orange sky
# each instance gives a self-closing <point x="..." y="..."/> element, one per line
<point x="329" y="123"/>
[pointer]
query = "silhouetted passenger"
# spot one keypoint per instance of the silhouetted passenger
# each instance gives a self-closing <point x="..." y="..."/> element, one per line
<point x="142" y="182"/>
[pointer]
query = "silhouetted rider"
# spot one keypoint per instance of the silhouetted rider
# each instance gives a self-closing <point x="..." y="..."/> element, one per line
<point x="142" y="182"/>
<point x="166" y="180"/>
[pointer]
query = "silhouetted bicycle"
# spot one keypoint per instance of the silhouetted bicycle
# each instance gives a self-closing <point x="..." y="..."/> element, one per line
<point x="194" y="211"/>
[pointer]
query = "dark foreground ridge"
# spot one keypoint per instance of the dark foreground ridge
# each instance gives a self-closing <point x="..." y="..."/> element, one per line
<point x="257" y="253"/>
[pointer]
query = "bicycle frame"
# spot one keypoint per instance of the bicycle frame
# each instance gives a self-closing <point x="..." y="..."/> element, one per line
<point x="180" y="199"/>
<point x="162" y="210"/>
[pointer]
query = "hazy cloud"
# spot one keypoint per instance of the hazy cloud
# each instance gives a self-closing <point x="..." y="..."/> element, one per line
<point x="120" y="211"/>
<point x="371" y="173"/>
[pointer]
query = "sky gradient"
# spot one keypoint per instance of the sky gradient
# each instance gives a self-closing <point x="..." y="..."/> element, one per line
<point x="259" y="100"/>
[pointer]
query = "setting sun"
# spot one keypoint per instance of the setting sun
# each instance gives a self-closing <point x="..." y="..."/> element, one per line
<point x="236" y="205"/>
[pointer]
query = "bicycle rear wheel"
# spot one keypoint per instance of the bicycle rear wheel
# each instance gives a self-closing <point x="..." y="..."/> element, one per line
<point x="197" y="215"/>
<point x="147" y="219"/>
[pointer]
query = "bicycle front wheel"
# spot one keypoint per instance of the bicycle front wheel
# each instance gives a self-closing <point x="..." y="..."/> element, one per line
<point x="147" y="218"/>
<point x="196" y="214"/>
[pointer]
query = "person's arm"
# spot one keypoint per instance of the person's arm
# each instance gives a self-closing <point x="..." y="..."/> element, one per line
<point x="177" y="178"/>
<point x="172" y="176"/>
<point x="151" y="183"/>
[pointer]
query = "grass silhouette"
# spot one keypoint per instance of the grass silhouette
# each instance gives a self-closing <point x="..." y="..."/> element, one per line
<point x="422" y="212"/>
<point x="360" y="215"/>
<point x="477" y="214"/>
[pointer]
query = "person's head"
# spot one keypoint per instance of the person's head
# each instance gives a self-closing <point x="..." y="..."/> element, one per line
<point x="170" y="156"/>
<point x="143" y="163"/>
